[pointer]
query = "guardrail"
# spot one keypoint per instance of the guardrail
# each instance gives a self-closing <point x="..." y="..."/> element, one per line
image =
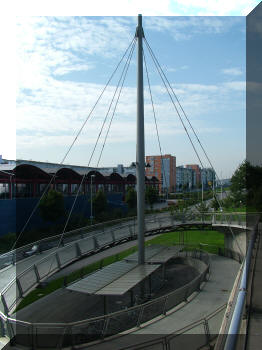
<point x="71" y="236"/>
<point x="195" y="336"/>
<point x="33" y="335"/>
<point x="228" y="340"/>
<point x="87" y="244"/>
<point x="92" y="242"/>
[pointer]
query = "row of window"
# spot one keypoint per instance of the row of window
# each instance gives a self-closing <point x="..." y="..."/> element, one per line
<point x="35" y="190"/>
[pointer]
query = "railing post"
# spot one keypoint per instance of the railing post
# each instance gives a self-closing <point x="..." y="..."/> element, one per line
<point x="20" y="289"/>
<point x="140" y="316"/>
<point x="207" y="331"/>
<point x="105" y="327"/>
<point x="58" y="261"/>
<point x="78" y="250"/>
<point x="6" y="310"/>
<point x="36" y="273"/>
<point x="164" y="306"/>
<point x="113" y="235"/>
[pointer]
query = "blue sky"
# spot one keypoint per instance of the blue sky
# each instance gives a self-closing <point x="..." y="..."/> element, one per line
<point x="62" y="63"/>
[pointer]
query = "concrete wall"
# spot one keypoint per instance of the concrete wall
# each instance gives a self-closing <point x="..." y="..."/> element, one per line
<point x="233" y="242"/>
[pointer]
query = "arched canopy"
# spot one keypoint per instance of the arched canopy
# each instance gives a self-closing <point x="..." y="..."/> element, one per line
<point x="67" y="173"/>
<point x="26" y="171"/>
<point x="131" y="178"/>
<point x="97" y="176"/>
<point x="116" y="177"/>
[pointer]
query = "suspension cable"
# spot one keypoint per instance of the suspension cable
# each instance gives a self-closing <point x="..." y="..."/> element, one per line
<point x="153" y="108"/>
<point x="188" y="120"/>
<point x="163" y="74"/>
<point x="116" y="103"/>
<point x="163" y="77"/>
<point x="123" y="74"/>
<point x="72" y="144"/>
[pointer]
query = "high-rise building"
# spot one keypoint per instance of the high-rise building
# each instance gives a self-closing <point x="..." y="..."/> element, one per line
<point x="208" y="177"/>
<point x="196" y="168"/>
<point x="185" y="178"/>
<point x="163" y="168"/>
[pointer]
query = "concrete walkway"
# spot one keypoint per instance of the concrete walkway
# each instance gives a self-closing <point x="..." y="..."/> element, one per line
<point x="214" y="294"/>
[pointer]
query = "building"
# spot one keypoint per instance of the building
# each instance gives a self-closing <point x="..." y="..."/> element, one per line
<point x="164" y="169"/>
<point x="185" y="178"/>
<point x="208" y="177"/>
<point x="197" y="170"/>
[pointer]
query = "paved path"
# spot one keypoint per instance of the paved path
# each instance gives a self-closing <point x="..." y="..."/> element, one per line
<point x="214" y="294"/>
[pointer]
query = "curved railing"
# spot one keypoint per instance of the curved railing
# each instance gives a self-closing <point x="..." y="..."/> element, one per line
<point x="81" y="332"/>
<point x="106" y="234"/>
<point x="91" y="242"/>
<point x="48" y="243"/>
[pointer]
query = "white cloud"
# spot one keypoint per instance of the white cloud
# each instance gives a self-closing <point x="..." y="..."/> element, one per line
<point x="232" y="71"/>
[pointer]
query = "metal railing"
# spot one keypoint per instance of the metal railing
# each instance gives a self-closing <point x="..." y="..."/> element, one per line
<point x="49" y="243"/>
<point x="228" y="340"/>
<point x="89" y="242"/>
<point x="195" y="336"/>
<point x="61" y="335"/>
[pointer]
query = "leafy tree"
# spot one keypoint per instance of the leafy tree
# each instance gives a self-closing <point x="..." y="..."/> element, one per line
<point x="151" y="196"/>
<point x="99" y="202"/>
<point x="131" y="198"/>
<point x="215" y="204"/>
<point x="238" y="179"/>
<point x="51" y="206"/>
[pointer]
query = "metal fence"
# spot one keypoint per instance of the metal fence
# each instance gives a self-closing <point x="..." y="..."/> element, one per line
<point x="153" y="222"/>
<point x="193" y="337"/>
<point x="33" y="335"/>
<point x="89" y="242"/>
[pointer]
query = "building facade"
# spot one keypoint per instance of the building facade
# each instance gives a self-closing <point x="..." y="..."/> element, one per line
<point x="197" y="170"/>
<point x="164" y="169"/>
<point x="208" y="177"/>
<point x="185" y="178"/>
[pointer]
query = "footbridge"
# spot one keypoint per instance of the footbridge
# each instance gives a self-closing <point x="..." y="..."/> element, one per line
<point x="25" y="268"/>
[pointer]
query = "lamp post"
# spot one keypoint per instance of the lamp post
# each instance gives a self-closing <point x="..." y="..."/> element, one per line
<point x="91" y="211"/>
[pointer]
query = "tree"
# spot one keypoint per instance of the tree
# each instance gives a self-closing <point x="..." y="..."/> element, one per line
<point x="51" y="206"/>
<point x="131" y="198"/>
<point x="99" y="202"/>
<point x="215" y="204"/>
<point x="238" y="179"/>
<point x="151" y="196"/>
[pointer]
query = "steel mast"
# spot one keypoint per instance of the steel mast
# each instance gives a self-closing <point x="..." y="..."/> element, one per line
<point x="140" y="146"/>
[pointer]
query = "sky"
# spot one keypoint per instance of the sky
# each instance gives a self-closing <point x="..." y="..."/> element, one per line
<point x="62" y="61"/>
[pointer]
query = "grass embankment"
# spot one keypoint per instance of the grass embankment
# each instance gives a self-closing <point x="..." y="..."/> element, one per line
<point x="192" y="239"/>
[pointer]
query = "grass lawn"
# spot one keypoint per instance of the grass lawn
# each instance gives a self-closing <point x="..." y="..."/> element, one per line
<point x="192" y="239"/>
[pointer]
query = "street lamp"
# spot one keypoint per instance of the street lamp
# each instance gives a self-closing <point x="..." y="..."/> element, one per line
<point x="91" y="212"/>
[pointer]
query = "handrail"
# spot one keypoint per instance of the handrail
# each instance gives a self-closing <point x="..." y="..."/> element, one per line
<point x="236" y="320"/>
<point x="174" y="296"/>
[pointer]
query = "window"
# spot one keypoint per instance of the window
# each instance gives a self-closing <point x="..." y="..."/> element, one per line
<point x="4" y="191"/>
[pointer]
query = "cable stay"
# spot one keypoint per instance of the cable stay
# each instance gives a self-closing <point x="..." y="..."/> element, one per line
<point x="159" y="69"/>
<point x="166" y="82"/>
<point x="72" y="144"/>
<point x="154" y="114"/>
<point x="121" y="79"/>
<point x="188" y="120"/>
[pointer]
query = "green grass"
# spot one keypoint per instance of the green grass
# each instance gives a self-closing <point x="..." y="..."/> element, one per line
<point x="192" y="240"/>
